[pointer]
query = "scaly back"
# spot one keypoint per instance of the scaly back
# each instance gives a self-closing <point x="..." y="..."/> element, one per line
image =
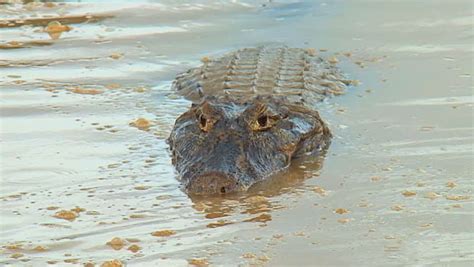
<point x="295" y="73"/>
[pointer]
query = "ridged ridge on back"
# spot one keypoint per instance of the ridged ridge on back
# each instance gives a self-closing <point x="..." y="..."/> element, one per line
<point x="295" y="73"/>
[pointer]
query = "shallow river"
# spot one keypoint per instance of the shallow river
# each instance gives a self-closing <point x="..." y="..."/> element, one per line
<point x="81" y="183"/>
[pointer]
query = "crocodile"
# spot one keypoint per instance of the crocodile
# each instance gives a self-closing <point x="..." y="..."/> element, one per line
<point x="253" y="111"/>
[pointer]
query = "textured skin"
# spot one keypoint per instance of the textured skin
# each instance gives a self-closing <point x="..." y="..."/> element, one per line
<point x="233" y="151"/>
<point x="253" y="111"/>
<point x="295" y="73"/>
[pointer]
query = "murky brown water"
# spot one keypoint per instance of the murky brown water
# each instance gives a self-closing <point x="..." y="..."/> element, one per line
<point x="395" y="188"/>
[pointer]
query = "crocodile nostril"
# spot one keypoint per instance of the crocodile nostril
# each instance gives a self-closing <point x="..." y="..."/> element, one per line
<point x="213" y="183"/>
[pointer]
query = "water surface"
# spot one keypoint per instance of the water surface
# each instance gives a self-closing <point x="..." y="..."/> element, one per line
<point x="394" y="189"/>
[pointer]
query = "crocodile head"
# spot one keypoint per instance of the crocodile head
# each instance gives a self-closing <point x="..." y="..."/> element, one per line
<point x="224" y="145"/>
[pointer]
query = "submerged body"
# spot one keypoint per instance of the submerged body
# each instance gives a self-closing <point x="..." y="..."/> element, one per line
<point x="253" y="111"/>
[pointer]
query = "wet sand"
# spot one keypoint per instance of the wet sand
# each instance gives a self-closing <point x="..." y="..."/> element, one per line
<point x="82" y="181"/>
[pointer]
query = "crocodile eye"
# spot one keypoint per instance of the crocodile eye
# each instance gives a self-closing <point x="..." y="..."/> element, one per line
<point x="262" y="121"/>
<point x="203" y="123"/>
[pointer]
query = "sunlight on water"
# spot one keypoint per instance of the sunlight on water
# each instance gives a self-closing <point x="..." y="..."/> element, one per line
<point x="86" y="175"/>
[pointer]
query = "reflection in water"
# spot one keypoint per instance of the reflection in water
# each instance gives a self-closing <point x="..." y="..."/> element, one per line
<point x="46" y="21"/>
<point x="259" y="201"/>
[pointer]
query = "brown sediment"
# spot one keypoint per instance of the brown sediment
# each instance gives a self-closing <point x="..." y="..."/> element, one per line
<point x="13" y="246"/>
<point x="72" y="260"/>
<point x="141" y="123"/>
<point x="375" y="178"/>
<point x="78" y="210"/>
<point x="66" y="215"/>
<point x="40" y="248"/>
<point x="219" y="223"/>
<point x="116" y="56"/>
<point x="162" y="233"/>
<point x="112" y="263"/>
<point x="320" y="191"/>
<point x="10" y="23"/>
<point x="451" y="184"/>
<point x="16" y="255"/>
<point x="344" y="220"/>
<point x="265" y="217"/>
<point x="137" y="216"/>
<point x="86" y="91"/>
<point x="199" y="262"/>
<point x="214" y="215"/>
<point x="140" y="89"/>
<point x="341" y="211"/>
<point x="142" y="187"/>
<point x="25" y="44"/>
<point x="249" y="255"/>
<point x="457" y="197"/>
<point x="431" y="195"/>
<point x="55" y="29"/>
<point x="409" y="193"/>
<point x="116" y="243"/>
<point x="134" y="248"/>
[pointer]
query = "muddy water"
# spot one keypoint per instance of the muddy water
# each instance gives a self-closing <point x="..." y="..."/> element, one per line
<point x="84" y="181"/>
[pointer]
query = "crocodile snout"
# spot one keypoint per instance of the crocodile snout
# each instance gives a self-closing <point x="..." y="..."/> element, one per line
<point x="213" y="183"/>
